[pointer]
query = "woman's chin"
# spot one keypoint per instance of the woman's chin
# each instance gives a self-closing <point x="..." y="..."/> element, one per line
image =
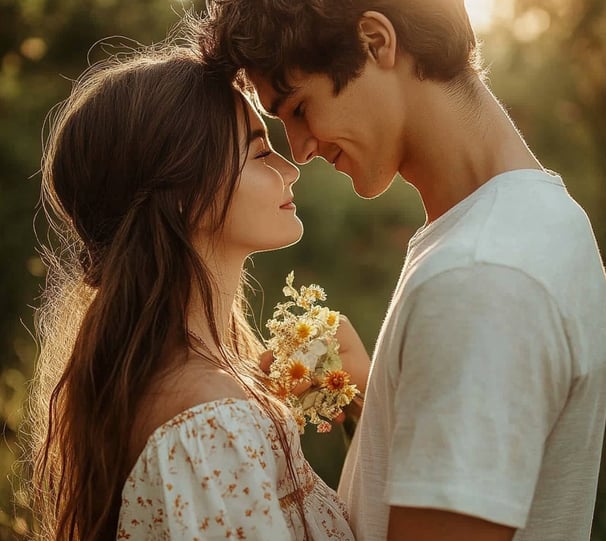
<point x="285" y="242"/>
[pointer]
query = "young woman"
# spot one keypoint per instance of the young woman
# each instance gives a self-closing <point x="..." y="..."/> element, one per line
<point x="160" y="180"/>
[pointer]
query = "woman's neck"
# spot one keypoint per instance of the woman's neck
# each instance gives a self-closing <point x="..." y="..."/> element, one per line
<point x="225" y="268"/>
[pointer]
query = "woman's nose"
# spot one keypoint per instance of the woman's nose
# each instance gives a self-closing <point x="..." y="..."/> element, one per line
<point x="290" y="172"/>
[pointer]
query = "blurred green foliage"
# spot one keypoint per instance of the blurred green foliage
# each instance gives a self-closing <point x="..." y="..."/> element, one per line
<point x="547" y="63"/>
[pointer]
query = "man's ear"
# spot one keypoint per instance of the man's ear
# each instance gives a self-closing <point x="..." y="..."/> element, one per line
<point x="379" y="37"/>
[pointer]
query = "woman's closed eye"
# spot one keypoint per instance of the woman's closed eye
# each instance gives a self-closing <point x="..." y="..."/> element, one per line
<point x="263" y="149"/>
<point x="263" y="154"/>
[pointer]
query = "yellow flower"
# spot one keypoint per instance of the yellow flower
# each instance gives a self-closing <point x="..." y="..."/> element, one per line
<point x="336" y="380"/>
<point x="304" y="330"/>
<point x="301" y="422"/>
<point x="347" y="394"/>
<point x="304" y="303"/>
<point x="315" y="311"/>
<point x="297" y="371"/>
<point x="304" y="345"/>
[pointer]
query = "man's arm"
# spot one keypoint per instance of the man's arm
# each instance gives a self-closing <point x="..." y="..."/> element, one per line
<point x="484" y="374"/>
<point x="415" y="524"/>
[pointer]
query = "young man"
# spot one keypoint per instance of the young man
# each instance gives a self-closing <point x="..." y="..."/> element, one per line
<point x="485" y="407"/>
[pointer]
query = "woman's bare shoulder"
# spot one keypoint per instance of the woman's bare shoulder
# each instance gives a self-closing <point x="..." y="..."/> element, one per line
<point x="177" y="390"/>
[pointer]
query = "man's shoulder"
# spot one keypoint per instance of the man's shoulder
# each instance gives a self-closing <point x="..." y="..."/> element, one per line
<point x="529" y="224"/>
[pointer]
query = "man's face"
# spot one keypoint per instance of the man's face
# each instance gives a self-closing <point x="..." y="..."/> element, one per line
<point x="356" y="130"/>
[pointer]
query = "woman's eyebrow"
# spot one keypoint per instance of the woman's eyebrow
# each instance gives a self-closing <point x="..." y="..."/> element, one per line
<point x="258" y="133"/>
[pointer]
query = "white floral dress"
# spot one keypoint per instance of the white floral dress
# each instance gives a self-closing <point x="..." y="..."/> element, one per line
<point x="217" y="471"/>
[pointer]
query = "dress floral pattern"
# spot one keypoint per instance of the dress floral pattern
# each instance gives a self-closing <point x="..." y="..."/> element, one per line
<point x="217" y="471"/>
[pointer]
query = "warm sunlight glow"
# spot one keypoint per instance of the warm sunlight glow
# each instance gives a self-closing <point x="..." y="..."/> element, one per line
<point x="481" y="13"/>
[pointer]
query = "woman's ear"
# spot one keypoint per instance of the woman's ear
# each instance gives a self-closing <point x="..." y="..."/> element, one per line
<point x="379" y="37"/>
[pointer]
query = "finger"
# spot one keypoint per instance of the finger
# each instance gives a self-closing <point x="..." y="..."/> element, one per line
<point x="265" y="360"/>
<point x="300" y="388"/>
<point x="346" y="334"/>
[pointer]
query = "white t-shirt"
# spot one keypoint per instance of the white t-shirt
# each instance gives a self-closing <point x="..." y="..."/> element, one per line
<point x="487" y="393"/>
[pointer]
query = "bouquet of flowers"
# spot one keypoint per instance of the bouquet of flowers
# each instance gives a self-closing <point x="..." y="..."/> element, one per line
<point x="306" y="350"/>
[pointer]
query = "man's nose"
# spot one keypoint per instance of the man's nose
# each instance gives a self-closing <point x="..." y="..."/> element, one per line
<point x="303" y="145"/>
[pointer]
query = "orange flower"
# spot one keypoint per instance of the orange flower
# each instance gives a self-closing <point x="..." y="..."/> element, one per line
<point x="336" y="380"/>
<point x="281" y="392"/>
<point x="297" y="371"/>
<point x="324" y="427"/>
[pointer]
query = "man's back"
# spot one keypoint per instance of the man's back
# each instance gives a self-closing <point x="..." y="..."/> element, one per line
<point x="486" y="395"/>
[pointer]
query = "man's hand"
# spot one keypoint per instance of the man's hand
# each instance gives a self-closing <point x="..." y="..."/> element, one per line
<point x="353" y="354"/>
<point x="411" y="524"/>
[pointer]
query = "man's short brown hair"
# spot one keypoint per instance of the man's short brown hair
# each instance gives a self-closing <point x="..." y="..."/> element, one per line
<point x="273" y="37"/>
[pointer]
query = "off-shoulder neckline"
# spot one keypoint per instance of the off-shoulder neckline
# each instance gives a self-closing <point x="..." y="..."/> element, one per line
<point x="175" y="422"/>
<point x="188" y="413"/>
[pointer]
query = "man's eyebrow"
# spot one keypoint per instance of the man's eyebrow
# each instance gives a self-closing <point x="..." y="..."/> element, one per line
<point x="279" y="101"/>
<point x="258" y="133"/>
<point x="276" y="104"/>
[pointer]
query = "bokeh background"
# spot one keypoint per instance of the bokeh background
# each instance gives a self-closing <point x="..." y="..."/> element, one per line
<point x="547" y="61"/>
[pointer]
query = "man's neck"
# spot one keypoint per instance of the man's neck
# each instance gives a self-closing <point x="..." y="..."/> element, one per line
<point x="457" y="143"/>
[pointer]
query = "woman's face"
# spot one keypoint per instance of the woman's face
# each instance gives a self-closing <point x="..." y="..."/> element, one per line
<point x="262" y="215"/>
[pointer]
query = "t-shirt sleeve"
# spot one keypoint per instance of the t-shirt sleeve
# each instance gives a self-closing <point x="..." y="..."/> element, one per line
<point x="213" y="478"/>
<point x="483" y="375"/>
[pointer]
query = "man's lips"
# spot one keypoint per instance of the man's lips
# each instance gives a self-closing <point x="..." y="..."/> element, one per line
<point x="288" y="205"/>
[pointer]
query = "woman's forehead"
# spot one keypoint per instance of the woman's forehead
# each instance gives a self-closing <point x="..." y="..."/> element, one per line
<point x="256" y="121"/>
<point x="257" y="127"/>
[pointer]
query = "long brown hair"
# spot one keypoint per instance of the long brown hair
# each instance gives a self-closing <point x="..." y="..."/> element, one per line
<point x="145" y="147"/>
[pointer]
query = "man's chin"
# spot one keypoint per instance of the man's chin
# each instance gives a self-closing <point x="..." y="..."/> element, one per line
<point x="370" y="190"/>
<point x="361" y="189"/>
